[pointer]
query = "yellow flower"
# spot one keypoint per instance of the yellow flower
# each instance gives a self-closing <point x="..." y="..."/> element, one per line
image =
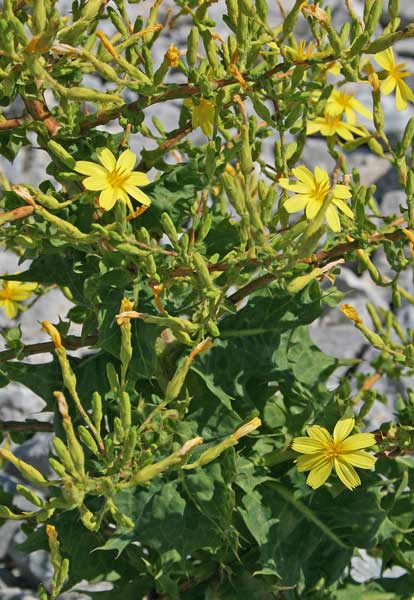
<point x="323" y="452"/>
<point x="351" y="313"/>
<point x="115" y="179"/>
<point x="331" y="124"/>
<point x="394" y="80"/>
<point x="303" y="51"/>
<point x="340" y="102"/>
<point x="172" y="56"/>
<point x="310" y="192"/>
<point x="12" y="293"/>
<point x="202" y="114"/>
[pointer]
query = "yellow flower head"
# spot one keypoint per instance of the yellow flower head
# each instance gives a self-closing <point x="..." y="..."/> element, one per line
<point x="172" y="56"/>
<point x="342" y="452"/>
<point x="342" y="102"/>
<point x="395" y="76"/>
<point x="331" y="124"/>
<point x="202" y="114"/>
<point x="351" y="313"/>
<point x="311" y="190"/>
<point x="302" y="50"/>
<point x="12" y="293"/>
<point x="115" y="179"/>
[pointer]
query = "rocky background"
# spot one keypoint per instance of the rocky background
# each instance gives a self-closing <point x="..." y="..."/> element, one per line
<point x="20" y="574"/>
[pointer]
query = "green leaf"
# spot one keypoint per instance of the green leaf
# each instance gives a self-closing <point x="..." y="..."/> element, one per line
<point x="174" y="192"/>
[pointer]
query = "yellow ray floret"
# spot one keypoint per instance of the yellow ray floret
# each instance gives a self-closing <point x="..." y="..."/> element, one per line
<point x="323" y="452"/>
<point x="331" y="124"/>
<point x="311" y="190"/>
<point x="394" y="80"/>
<point x="342" y="102"/>
<point x="12" y="293"/>
<point x="115" y="179"/>
<point x="202" y="114"/>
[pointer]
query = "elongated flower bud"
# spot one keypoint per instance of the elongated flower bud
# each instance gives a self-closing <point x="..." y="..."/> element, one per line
<point x="29" y="495"/>
<point x="29" y="472"/>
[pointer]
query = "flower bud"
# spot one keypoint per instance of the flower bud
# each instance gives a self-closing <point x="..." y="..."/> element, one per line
<point x="97" y="412"/>
<point x="63" y="155"/>
<point x="88" y="440"/>
<point x="192" y="46"/>
<point x="129" y="445"/>
<point x="247" y="428"/>
<point x="169" y="229"/>
<point x="125" y="410"/>
<point x="351" y="313"/>
<point x="202" y="271"/>
<point x="57" y="467"/>
<point x="29" y="495"/>
<point x="91" y="9"/>
<point x="64" y="455"/>
<point x="39" y="18"/>
<point x="117" y="21"/>
<point x="29" y="472"/>
<point x="53" y="332"/>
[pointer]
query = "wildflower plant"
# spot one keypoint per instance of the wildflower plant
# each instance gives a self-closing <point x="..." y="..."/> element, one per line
<point x="196" y="257"/>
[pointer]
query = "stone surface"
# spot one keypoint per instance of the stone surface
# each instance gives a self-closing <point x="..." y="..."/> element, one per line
<point x="333" y="333"/>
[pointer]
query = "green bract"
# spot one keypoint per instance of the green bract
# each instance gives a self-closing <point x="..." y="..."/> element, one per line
<point x="172" y="466"/>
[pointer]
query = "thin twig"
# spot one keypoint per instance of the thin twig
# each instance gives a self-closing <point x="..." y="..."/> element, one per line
<point x="26" y="426"/>
<point x="39" y="112"/>
<point x="71" y="342"/>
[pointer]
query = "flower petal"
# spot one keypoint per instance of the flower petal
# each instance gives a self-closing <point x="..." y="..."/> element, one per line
<point x="385" y="59"/>
<point x="10" y="308"/>
<point x="304" y="175"/>
<point x="342" y="191"/>
<point x="332" y="218"/>
<point x="400" y="102"/>
<point x="107" y="198"/>
<point x="137" y="194"/>
<point x="350" y="115"/>
<point x="343" y="207"/>
<point x="306" y="445"/>
<point x="360" y="459"/>
<point x="89" y="168"/>
<point x="22" y="291"/>
<point x="320" y="434"/>
<point x="342" y="429"/>
<point x="299" y="188"/>
<point x="206" y="127"/>
<point x="358" y="441"/>
<point x="95" y="183"/>
<point x="137" y="178"/>
<point x="321" y="176"/>
<point x="126" y="161"/>
<point x="296" y="203"/>
<point x="307" y="462"/>
<point x="106" y="158"/>
<point x="312" y="209"/>
<point x="319" y="475"/>
<point x="313" y="127"/>
<point x="406" y="91"/>
<point x="388" y="85"/>
<point x="347" y="474"/>
<point x="360" y="108"/>
<point x="343" y="130"/>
